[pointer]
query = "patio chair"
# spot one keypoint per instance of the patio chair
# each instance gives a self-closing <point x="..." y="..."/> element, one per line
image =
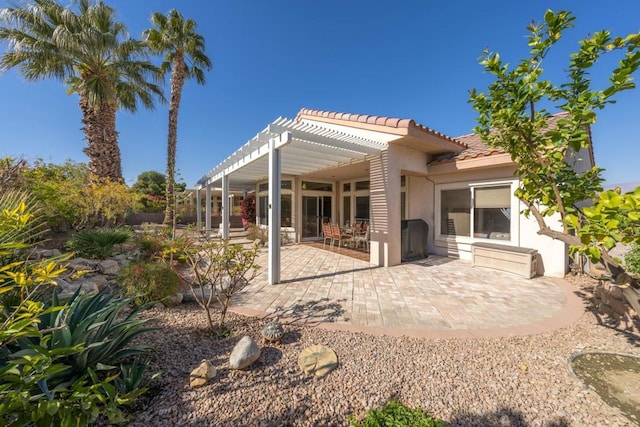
<point x="339" y="235"/>
<point x="362" y="237"/>
<point x="327" y="234"/>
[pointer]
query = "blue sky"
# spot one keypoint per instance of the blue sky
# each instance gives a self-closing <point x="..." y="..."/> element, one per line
<point x="405" y="58"/>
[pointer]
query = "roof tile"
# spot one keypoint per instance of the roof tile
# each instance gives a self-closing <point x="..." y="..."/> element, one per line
<point x="377" y="120"/>
<point x="476" y="147"/>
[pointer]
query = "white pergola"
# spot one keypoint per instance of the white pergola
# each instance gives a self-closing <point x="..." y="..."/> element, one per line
<point x="289" y="147"/>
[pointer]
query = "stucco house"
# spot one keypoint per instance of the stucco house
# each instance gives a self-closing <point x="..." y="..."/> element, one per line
<point x="335" y="167"/>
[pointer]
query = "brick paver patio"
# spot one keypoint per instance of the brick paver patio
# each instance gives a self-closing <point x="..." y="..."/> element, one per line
<point x="436" y="296"/>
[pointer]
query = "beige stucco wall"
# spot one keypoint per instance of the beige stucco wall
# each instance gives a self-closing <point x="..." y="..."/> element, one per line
<point x="553" y="259"/>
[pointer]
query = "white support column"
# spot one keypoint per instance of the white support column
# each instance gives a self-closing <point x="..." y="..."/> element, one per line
<point x="198" y="209"/>
<point x="207" y="210"/>
<point x="274" y="205"/>
<point x="384" y="200"/>
<point x="226" y="209"/>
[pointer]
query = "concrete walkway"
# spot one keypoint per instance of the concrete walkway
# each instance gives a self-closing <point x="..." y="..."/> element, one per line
<point x="435" y="297"/>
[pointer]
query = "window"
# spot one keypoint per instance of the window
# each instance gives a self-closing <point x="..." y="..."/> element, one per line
<point x="263" y="205"/>
<point x="285" y="210"/>
<point x="317" y="186"/>
<point x="362" y="208"/>
<point x="284" y="185"/>
<point x="346" y="209"/>
<point x="492" y="213"/>
<point x="362" y="185"/>
<point x="455" y="212"/>
<point x="482" y="212"/>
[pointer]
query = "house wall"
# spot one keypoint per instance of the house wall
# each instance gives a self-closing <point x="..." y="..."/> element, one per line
<point x="385" y="172"/>
<point x="553" y="259"/>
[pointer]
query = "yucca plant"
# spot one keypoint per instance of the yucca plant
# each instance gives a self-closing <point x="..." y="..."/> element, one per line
<point x="98" y="244"/>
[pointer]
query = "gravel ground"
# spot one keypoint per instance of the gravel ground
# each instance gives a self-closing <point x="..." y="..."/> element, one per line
<point x="516" y="381"/>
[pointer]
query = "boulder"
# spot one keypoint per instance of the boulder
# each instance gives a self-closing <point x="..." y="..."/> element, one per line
<point x="109" y="267"/>
<point x="82" y="264"/>
<point x="188" y="295"/>
<point x="99" y="280"/>
<point x="45" y="253"/>
<point x="317" y="359"/>
<point x="174" y="299"/>
<point x="68" y="289"/>
<point x="202" y="374"/>
<point x="244" y="353"/>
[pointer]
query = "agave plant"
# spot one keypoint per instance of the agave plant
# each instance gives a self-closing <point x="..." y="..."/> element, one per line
<point x="97" y="322"/>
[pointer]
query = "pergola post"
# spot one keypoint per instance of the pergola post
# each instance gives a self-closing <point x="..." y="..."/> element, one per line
<point x="225" y="207"/>
<point x="198" y="209"/>
<point x="274" y="205"/>
<point x="207" y="210"/>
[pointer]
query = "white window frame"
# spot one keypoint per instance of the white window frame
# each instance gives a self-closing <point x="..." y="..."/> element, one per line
<point x="283" y="192"/>
<point x="352" y="194"/>
<point x="472" y="185"/>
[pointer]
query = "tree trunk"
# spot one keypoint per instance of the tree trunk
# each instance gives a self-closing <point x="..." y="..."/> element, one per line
<point x="102" y="140"/>
<point x="177" y="82"/>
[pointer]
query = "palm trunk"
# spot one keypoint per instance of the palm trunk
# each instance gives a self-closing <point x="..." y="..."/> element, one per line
<point x="102" y="140"/>
<point x="177" y="82"/>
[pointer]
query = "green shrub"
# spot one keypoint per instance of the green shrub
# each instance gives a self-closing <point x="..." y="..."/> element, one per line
<point x="98" y="244"/>
<point x="255" y="232"/>
<point x="149" y="281"/>
<point x="632" y="260"/>
<point x="394" y="413"/>
<point x="152" y="244"/>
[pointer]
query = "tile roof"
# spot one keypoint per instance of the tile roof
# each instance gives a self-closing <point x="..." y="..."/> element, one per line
<point x="375" y="120"/>
<point x="476" y="147"/>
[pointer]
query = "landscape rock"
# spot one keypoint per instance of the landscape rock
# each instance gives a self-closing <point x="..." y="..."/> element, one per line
<point x="68" y="289"/>
<point x="82" y="264"/>
<point x="202" y="374"/>
<point x="99" y="280"/>
<point x="317" y="359"/>
<point x="245" y="352"/>
<point x="45" y="253"/>
<point x="188" y="295"/>
<point x="109" y="267"/>
<point x="174" y="299"/>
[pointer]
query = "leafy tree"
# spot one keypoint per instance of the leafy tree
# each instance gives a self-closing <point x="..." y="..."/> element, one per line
<point x="152" y="186"/>
<point x="218" y="271"/>
<point x="151" y="183"/>
<point x="515" y="116"/>
<point x="90" y="52"/>
<point x="183" y="47"/>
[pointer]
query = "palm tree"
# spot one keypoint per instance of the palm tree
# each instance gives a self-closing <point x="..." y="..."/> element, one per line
<point x="176" y="39"/>
<point x="92" y="55"/>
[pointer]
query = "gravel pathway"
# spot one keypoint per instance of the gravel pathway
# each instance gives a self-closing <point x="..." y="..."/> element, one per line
<point x="516" y="381"/>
